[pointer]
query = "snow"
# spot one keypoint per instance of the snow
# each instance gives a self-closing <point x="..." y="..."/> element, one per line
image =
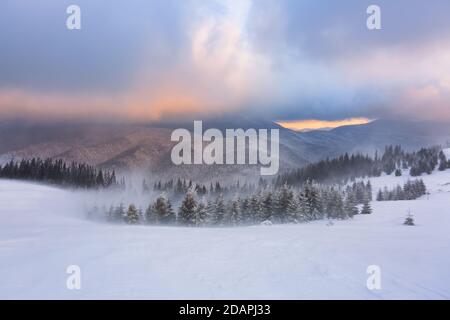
<point x="42" y="232"/>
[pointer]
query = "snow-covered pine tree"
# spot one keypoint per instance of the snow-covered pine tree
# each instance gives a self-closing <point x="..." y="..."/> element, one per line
<point x="210" y="216"/>
<point x="160" y="212"/>
<point x="188" y="208"/>
<point x="132" y="216"/>
<point x="350" y="205"/>
<point x="310" y="202"/>
<point x="284" y="199"/>
<point x="235" y="212"/>
<point x="366" y="209"/>
<point x="254" y="209"/>
<point x="340" y="206"/>
<point x="421" y="188"/>
<point x="359" y="192"/>
<point x="268" y="206"/>
<point x="368" y="190"/>
<point x="293" y="214"/>
<point x="245" y="208"/>
<point x="335" y="205"/>
<point x="220" y="209"/>
<point x="409" y="221"/>
<point x="201" y="214"/>
<point x="443" y="164"/>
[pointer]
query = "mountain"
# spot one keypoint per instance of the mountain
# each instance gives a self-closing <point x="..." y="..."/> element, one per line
<point x="128" y="147"/>
<point x="367" y="138"/>
<point x="120" y="146"/>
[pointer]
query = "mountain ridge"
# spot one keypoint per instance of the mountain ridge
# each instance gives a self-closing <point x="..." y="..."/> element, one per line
<point x="128" y="147"/>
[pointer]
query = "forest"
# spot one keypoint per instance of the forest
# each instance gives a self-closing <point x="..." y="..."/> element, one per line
<point x="58" y="172"/>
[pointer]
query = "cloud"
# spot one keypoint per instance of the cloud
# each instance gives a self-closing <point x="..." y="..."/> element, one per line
<point x="284" y="59"/>
<point x="305" y="125"/>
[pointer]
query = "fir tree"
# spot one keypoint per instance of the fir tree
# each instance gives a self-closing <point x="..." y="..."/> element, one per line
<point x="235" y="212"/>
<point x="284" y="201"/>
<point x="188" y="208"/>
<point x="254" y="209"/>
<point x="201" y="214"/>
<point x="220" y="208"/>
<point x="293" y="214"/>
<point x="132" y="216"/>
<point x="443" y="164"/>
<point x="366" y="209"/>
<point x="268" y="206"/>
<point x="161" y="211"/>
<point x="350" y="206"/>
<point x="409" y="221"/>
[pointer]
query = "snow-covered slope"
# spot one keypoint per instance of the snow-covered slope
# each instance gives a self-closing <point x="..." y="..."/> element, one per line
<point x="42" y="232"/>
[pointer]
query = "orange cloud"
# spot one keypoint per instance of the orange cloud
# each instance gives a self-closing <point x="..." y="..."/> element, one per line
<point x="312" y="124"/>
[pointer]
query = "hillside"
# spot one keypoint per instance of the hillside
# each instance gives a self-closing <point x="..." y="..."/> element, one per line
<point x="43" y="230"/>
<point x="126" y="147"/>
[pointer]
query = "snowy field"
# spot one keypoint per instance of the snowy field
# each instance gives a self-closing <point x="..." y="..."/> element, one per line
<point x="42" y="231"/>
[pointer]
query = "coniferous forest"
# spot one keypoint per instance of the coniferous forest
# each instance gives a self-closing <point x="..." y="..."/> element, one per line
<point x="322" y="190"/>
<point x="267" y="205"/>
<point x="329" y="189"/>
<point x="58" y="172"/>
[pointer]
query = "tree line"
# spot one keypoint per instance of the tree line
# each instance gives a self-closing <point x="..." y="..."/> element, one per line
<point x="411" y="190"/>
<point x="349" y="167"/>
<point x="273" y="205"/>
<point x="56" y="171"/>
<point x="338" y="170"/>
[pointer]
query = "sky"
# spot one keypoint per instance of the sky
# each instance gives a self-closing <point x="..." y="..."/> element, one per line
<point x="285" y="60"/>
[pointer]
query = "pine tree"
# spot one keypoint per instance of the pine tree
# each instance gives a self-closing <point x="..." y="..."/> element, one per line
<point x="409" y="221"/>
<point x="368" y="189"/>
<point x="188" y="208"/>
<point x="235" y="212"/>
<point x="245" y="210"/>
<point x="366" y="209"/>
<point x="284" y="201"/>
<point x="442" y="161"/>
<point x="310" y="202"/>
<point x="268" y="206"/>
<point x="293" y="214"/>
<point x="350" y="206"/>
<point x="161" y="211"/>
<point x="210" y="217"/>
<point x="201" y="214"/>
<point x="220" y="208"/>
<point x="132" y="216"/>
<point x="254" y="209"/>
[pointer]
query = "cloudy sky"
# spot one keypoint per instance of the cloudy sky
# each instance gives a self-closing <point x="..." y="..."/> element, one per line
<point x="284" y="59"/>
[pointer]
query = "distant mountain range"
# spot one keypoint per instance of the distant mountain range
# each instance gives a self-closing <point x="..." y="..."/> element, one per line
<point x="148" y="147"/>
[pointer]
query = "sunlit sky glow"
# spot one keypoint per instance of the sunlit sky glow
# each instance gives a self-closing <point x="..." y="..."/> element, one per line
<point x="311" y="124"/>
<point x="278" y="59"/>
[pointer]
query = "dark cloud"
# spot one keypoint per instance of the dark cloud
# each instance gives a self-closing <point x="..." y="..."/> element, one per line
<point x="38" y="51"/>
<point x="285" y="59"/>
